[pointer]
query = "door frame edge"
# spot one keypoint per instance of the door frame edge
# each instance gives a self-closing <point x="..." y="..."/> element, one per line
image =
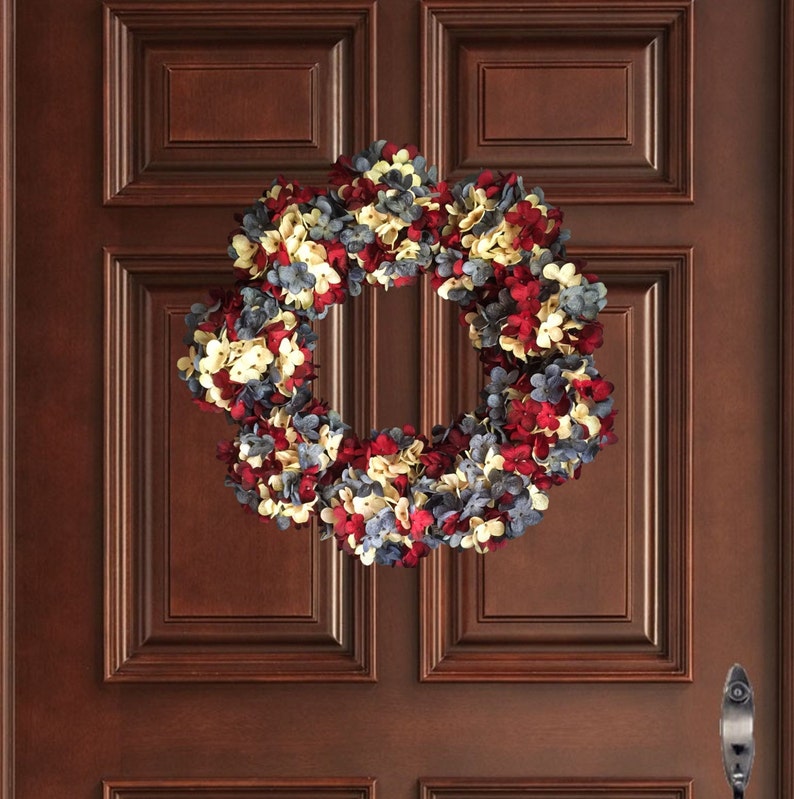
<point x="786" y="533"/>
<point x="7" y="251"/>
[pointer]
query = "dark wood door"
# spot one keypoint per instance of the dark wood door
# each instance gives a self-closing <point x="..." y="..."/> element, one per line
<point x="169" y="646"/>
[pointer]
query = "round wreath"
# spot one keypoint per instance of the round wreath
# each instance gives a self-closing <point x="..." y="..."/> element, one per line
<point x="489" y="245"/>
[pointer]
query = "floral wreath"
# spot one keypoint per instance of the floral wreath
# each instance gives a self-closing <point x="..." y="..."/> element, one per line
<point x="488" y="245"/>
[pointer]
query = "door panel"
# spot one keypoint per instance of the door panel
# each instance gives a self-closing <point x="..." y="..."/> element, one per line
<point x="200" y="97"/>
<point x="168" y="645"/>
<point x="593" y="101"/>
<point x="178" y="606"/>
<point x="619" y="609"/>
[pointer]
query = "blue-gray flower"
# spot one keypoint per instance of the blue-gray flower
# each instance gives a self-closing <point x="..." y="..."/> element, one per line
<point x="505" y="483"/>
<point x="258" y="310"/>
<point x="301" y="396"/>
<point x="256" y="391"/>
<point x="293" y="277"/>
<point x="480" y="444"/>
<point x="256" y="221"/>
<point x="488" y="221"/>
<point x="307" y="425"/>
<point x="332" y="219"/>
<point x="445" y="262"/>
<point x="536" y="264"/>
<point x="309" y="455"/>
<point x="244" y="496"/>
<point x="400" y="203"/>
<point x="479" y="270"/>
<point x="583" y="303"/>
<point x="356" y="238"/>
<point x="549" y="386"/>
<point x="258" y="446"/>
<point x="500" y="379"/>
<point x="522" y="515"/>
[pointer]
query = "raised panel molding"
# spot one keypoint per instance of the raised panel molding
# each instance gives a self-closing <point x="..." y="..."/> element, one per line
<point x="591" y="100"/>
<point x="196" y="590"/>
<point x="619" y="607"/>
<point x="203" y="109"/>
<point x="555" y="789"/>
<point x="333" y="788"/>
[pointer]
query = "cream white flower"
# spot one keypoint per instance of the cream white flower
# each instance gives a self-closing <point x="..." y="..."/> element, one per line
<point x="565" y="275"/>
<point x="249" y="360"/>
<point x="368" y="506"/>
<point x="550" y="330"/>
<point x="581" y="414"/>
<point x="246" y="252"/>
<point x="399" y="163"/>
<point x="186" y="363"/>
<point x="217" y="354"/>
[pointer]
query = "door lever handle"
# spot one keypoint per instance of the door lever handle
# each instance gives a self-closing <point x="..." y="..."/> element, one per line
<point x="736" y="729"/>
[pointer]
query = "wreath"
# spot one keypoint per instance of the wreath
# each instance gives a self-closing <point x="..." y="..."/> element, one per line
<point x="488" y="245"/>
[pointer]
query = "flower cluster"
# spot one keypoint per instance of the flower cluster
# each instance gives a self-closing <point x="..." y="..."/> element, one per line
<point x="487" y="244"/>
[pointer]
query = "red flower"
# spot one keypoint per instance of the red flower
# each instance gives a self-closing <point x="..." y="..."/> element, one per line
<point x="607" y="435"/>
<point x="306" y="488"/>
<point x="351" y="453"/>
<point x="521" y="417"/>
<point x="275" y="334"/>
<point x="401" y="484"/>
<point x="417" y="551"/>
<point x="590" y="338"/>
<point x="420" y="521"/>
<point x="522" y="326"/>
<point x="450" y="524"/>
<point x="390" y="150"/>
<point x="597" y="389"/>
<point x="286" y="197"/>
<point x="518" y="458"/>
<point x="524" y="288"/>
<point x="384" y="445"/>
<point x="226" y="452"/>
<point x="497" y="543"/>
<point x="547" y="417"/>
<point x="435" y="462"/>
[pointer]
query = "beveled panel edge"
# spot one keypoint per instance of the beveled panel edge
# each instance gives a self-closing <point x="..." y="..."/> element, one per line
<point x="7" y="383"/>
<point x="435" y="320"/>
<point x="121" y="185"/>
<point x="786" y="447"/>
<point x="175" y="788"/>
<point x="439" y="788"/>
<point x="125" y="655"/>
<point x="438" y="662"/>
<point x="439" y="17"/>
<point x="678" y="274"/>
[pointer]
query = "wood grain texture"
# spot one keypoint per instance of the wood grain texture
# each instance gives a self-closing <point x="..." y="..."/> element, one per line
<point x="7" y="382"/>
<point x="334" y="788"/>
<point x="200" y="109"/>
<point x="555" y="789"/>
<point x="625" y="67"/>
<point x="622" y="609"/>
<point x="199" y="97"/>
<point x="72" y="729"/>
<point x="193" y="590"/>
<point x="786" y="542"/>
<point x="594" y="100"/>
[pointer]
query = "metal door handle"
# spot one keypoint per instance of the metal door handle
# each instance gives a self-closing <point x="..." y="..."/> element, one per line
<point x="736" y="729"/>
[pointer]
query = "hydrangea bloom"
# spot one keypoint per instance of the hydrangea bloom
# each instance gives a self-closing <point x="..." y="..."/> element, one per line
<point x="487" y="244"/>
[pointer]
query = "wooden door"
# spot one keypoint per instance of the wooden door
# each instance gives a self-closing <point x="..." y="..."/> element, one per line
<point x="166" y="645"/>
